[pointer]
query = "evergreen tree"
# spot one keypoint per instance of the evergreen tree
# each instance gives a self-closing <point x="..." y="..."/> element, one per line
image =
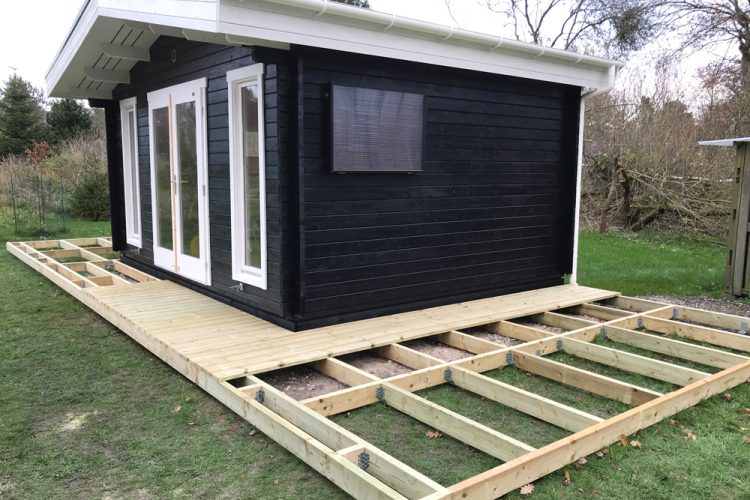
<point x="21" y="117"/>
<point x="68" y="118"/>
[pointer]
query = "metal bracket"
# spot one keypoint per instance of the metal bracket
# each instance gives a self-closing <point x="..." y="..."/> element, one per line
<point x="239" y="287"/>
<point x="380" y="394"/>
<point x="559" y="345"/>
<point x="509" y="357"/>
<point x="260" y="396"/>
<point x="743" y="328"/>
<point x="363" y="460"/>
<point x="603" y="333"/>
<point x="675" y="313"/>
<point x="448" y="375"/>
<point x="538" y="352"/>
<point x="641" y="326"/>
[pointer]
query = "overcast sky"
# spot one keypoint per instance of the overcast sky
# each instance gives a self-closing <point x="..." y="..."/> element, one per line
<point x="32" y="31"/>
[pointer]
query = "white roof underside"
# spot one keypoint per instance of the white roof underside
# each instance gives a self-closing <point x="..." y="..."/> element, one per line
<point x="111" y="36"/>
<point x="725" y="142"/>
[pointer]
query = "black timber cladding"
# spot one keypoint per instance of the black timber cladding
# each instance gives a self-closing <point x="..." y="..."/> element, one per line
<point x="175" y="61"/>
<point x="492" y="212"/>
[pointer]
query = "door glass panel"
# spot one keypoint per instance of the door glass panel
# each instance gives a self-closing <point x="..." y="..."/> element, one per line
<point x="133" y="168"/>
<point x="251" y="171"/>
<point x="188" y="172"/>
<point x="160" y="118"/>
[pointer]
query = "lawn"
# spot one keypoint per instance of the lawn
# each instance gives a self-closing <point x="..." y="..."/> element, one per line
<point x="86" y="412"/>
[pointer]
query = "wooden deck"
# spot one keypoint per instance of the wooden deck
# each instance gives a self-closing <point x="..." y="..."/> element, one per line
<point x="222" y="349"/>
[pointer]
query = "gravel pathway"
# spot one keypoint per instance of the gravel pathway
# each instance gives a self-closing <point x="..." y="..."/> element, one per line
<point x="726" y="306"/>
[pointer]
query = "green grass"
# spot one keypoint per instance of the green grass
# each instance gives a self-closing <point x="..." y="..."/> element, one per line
<point x="652" y="264"/>
<point x="87" y="413"/>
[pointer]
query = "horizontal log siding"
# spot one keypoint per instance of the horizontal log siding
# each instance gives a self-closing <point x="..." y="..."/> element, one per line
<point x="491" y="212"/>
<point x="197" y="60"/>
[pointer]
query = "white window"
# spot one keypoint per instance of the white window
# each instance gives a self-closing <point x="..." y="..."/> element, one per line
<point x="247" y="175"/>
<point x="129" y="123"/>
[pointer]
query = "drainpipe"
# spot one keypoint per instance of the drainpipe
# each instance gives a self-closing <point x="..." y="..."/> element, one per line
<point x="611" y="73"/>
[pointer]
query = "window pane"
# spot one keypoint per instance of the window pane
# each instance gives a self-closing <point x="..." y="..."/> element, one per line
<point x="188" y="155"/>
<point x="133" y="170"/>
<point x="162" y="173"/>
<point x="251" y="174"/>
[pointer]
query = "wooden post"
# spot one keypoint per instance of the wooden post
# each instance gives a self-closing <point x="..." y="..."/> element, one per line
<point x="738" y="272"/>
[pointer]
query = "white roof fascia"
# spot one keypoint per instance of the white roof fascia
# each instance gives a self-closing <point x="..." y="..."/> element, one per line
<point x="329" y="25"/>
<point x="724" y="142"/>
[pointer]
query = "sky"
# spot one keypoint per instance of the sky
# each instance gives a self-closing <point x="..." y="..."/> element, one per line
<point x="32" y="31"/>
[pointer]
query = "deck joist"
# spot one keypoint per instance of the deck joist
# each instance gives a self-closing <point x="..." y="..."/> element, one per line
<point x="223" y="350"/>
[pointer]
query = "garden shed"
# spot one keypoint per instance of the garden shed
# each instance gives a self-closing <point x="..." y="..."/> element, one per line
<point x="313" y="163"/>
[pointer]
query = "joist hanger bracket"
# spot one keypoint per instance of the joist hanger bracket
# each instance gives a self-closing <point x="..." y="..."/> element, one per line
<point x="538" y="352"/>
<point x="380" y="394"/>
<point x="509" y="357"/>
<point x="641" y="326"/>
<point x="363" y="460"/>
<point x="603" y="333"/>
<point x="260" y="396"/>
<point x="743" y="328"/>
<point x="559" y="345"/>
<point x="448" y="375"/>
<point x="675" y="313"/>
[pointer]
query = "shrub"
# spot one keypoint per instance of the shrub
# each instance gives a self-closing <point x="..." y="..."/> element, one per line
<point x="90" y="198"/>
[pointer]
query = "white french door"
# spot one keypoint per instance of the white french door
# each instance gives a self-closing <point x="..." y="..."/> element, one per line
<point x="179" y="180"/>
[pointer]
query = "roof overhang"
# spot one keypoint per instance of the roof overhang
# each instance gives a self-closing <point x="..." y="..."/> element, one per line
<point x="725" y="142"/>
<point x="111" y="36"/>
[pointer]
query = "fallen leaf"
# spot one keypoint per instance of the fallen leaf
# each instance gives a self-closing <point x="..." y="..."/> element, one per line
<point x="691" y="437"/>
<point x="727" y="397"/>
<point x="191" y="423"/>
<point x="252" y="432"/>
<point x="433" y="434"/>
<point x="624" y="440"/>
<point x="582" y="461"/>
<point x="566" y="477"/>
<point x="635" y="444"/>
<point x="275" y="481"/>
<point x="746" y="439"/>
<point x="527" y="489"/>
<point x="177" y="408"/>
<point x="747" y="411"/>
<point x="673" y="421"/>
<point x="581" y="491"/>
<point x="602" y="452"/>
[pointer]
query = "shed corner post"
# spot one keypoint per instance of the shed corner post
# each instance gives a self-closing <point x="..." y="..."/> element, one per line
<point x="114" y="170"/>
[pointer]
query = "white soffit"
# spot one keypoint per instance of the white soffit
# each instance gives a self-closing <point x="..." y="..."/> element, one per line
<point x="111" y="36"/>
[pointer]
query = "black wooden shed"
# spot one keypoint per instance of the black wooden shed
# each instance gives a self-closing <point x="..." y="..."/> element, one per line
<point x="314" y="163"/>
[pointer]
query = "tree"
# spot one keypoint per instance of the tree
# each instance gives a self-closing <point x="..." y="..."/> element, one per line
<point x="709" y="22"/>
<point x="365" y="4"/>
<point x="68" y="118"/>
<point x="613" y="28"/>
<point x="21" y="117"/>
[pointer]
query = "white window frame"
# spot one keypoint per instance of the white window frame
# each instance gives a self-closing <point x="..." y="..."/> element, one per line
<point x="236" y="80"/>
<point x="127" y="106"/>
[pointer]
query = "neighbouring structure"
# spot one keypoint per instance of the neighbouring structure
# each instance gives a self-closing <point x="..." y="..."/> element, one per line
<point x="313" y="163"/>
<point x="737" y="276"/>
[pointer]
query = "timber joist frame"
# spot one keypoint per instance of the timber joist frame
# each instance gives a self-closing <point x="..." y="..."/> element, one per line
<point x="135" y="302"/>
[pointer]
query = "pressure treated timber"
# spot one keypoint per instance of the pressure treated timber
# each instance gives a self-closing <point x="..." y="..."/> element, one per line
<point x="220" y="348"/>
<point x="527" y="402"/>
<point x="585" y="380"/>
<point x="509" y="476"/>
<point x="633" y="363"/>
<point x="675" y="348"/>
<point x="453" y="424"/>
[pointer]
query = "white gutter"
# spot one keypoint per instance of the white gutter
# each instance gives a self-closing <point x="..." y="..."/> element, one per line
<point x="390" y="21"/>
<point x="579" y="167"/>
